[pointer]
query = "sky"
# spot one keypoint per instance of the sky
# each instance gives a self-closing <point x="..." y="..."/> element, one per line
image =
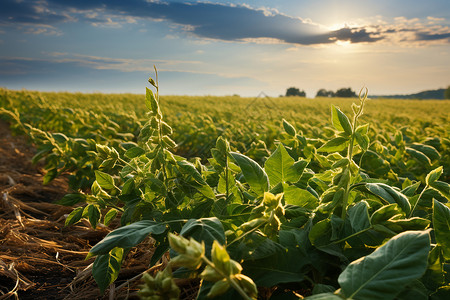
<point x="225" y="47"/>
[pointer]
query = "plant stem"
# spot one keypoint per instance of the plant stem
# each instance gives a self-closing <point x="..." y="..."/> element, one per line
<point x="226" y="176"/>
<point x="350" y="156"/>
<point x="160" y="133"/>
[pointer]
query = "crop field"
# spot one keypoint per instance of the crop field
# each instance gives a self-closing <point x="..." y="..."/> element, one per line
<point x="182" y="197"/>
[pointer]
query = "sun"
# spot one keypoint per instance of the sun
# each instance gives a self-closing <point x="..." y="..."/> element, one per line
<point x="343" y="43"/>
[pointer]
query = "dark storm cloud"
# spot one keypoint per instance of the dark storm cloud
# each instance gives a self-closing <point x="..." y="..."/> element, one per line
<point x="422" y="36"/>
<point x="205" y="20"/>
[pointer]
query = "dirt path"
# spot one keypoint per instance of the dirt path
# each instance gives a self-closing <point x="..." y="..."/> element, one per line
<point x="39" y="257"/>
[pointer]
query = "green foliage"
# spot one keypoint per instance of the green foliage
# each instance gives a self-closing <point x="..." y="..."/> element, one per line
<point x="447" y="93"/>
<point x="289" y="202"/>
<point x="345" y="92"/>
<point x="325" y="93"/>
<point x="385" y="272"/>
<point x="293" y="91"/>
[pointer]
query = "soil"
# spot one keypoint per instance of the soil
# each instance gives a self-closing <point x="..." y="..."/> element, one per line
<point x="40" y="258"/>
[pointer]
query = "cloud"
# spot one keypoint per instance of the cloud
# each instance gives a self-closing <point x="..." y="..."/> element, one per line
<point x="215" y="21"/>
<point x="30" y="12"/>
<point x="423" y="36"/>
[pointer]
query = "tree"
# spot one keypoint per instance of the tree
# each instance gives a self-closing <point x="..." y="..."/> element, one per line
<point x="447" y="93"/>
<point x="293" y="91"/>
<point x="324" y="93"/>
<point x="345" y="93"/>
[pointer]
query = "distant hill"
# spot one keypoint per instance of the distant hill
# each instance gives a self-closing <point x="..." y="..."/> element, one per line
<point x="430" y="94"/>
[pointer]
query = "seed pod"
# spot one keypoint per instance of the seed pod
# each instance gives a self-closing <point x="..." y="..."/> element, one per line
<point x="270" y="201"/>
<point x="221" y="258"/>
<point x="218" y="288"/>
<point x="328" y="195"/>
<point x="178" y="243"/>
<point x="166" y="284"/>
<point x="247" y="285"/>
<point x="257" y="212"/>
<point x="345" y="178"/>
<point x="337" y="179"/>
<point x="149" y="280"/>
<point x="210" y="274"/>
<point x="252" y="224"/>
<point x="145" y="292"/>
<point x="236" y="267"/>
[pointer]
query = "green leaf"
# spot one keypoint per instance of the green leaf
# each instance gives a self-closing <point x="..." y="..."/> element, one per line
<point x="389" y="194"/>
<point x="442" y="293"/>
<point x="414" y="223"/>
<point x="340" y="120"/>
<point x="415" y="290"/>
<point x="428" y="150"/>
<point x="278" y="268"/>
<point x="49" y="176"/>
<point x="110" y="216"/>
<point x="71" y="199"/>
<point x="280" y="167"/>
<point x="384" y="213"/>
<point x="335" y="145"/>
<point x="435" y="275"/>
<point x="189" y="168"/>
<point x="127" y="236"/>
<point x="410" y="190"/>
<point x="442" y="187"/>
<point x="433" y="175"/>
<point x="421" y="157"/>
<point x="362" y="140"/>
<point x="324" y="296"/>
<point x="106" y="268"/>
<point x="74" y="216"/>
<point x="129" y="186"/>
<point x="205" y="229"/>
<point x="206" y="191"/>
<point x="150" y="101"/>
<point x="323" y="288"/>
<point x="297" y="196"/>
<point x="441" y="225"/>
<point x="359" y="216"/>
<point x="93" y="213"/>
<point x="104" y="180"/>
<point x="320" y="233"/>
<point x="257" y="247"/>
<point x="362" y="129"/>
<point x="289" y="128"/>
<point x="134" y="152"/>
<point x="383" y="274"/>
<point x="253" y="173"/>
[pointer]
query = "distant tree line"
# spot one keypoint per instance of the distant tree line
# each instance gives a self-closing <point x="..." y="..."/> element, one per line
<point x="447" y="93"/>
<point x="293" y="91"/>
<point x="343" y="92"/>
<point x="349" y="93"/>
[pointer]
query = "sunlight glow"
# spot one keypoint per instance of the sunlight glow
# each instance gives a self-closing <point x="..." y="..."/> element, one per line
<point x="343" y="43"/>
